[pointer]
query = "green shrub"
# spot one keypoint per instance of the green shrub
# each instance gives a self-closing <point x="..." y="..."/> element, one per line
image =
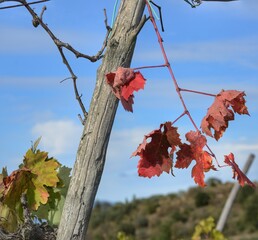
<point x="127" y="228"/>
<point x="251" y="211"/>
<point x="141" y="222"/>
<point x="244" y="193"/>
<point x="213" y="182"/>
<point x="177" y="215"/>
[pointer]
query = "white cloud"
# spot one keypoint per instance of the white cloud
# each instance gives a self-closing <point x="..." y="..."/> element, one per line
<point x="124" y="142"/>
<point x="59" y="136"/>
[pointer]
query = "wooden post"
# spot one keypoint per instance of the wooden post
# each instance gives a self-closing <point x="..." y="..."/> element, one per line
<point x="92" y="149"/>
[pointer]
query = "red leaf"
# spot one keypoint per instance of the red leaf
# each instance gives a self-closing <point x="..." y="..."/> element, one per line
<point x="237" y="173"/>
<point x="124" y="82"/>
<point x="154" y="151"/>
<point x="194" y="151"/>
<point x="184" y="156"/>
<point x="128" y="105"/>
<point x="135" y="84"/>
<point x="219" y="114"/>
<point x="198" y="174"/>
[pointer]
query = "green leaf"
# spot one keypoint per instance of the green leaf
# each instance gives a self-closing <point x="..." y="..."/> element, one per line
<point x="35" y="145"/>
<point x="53" y="209"/>
<point x="38" y="178"/>
<point x="16" y="184"/>
<point x="45" y="170"/>
<point x="51" y="206"/>
<point x="64" y="174"/>
<point x="9" y="220"/>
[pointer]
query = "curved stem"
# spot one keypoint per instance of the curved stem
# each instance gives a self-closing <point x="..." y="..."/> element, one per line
<point x="155" y="66"/>
<point x="184" y="113"/>
<point x="160" y="40"/>
<point x="197" y="92"/>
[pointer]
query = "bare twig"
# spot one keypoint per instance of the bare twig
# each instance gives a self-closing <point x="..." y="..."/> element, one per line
<point x="20" y="5"/>
<point x="109" y="29"/>
<point x="141" y="24"/>
<point x="74" y="78"/>
<point x="42" y="12"/>
<point x="38" y="20"/>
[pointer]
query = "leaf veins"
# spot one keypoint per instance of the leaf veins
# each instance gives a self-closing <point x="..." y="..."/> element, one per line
<point x="219" y="114"/>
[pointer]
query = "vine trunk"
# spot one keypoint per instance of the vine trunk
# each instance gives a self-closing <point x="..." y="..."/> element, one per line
<point x="93" y="145"/>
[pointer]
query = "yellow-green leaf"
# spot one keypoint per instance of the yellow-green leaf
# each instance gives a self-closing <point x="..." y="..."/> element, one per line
<point x="45" y="170"/>
<point x="9" y="219"/>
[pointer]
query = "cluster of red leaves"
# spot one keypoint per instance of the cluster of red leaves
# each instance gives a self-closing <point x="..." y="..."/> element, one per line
<point x="155" y="155"/>
<point x="237" y="173"/>
<point x="158" y="147"/>
<point x="123" y="83"/>
<point x="219" y="114"/>
<point x="194" y="151"/>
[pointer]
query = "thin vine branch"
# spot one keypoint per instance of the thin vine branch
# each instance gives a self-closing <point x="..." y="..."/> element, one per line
<point x="178" y="89"/>
<point x="20" y="5"/>
<point x="167" y="63"/>
<point x="58" y="42"/>
<point x="154" y="66"/>
<point x="184" y="113"/>
<point x="197" y="92"/>
<point x="38" y="20"/>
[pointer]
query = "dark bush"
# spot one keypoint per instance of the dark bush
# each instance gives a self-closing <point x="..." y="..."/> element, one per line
<point x="213" y="182"/>
<point x="141" y="222"/>
<point x="244" y="193"/>
<point x="127" y="228"/>
<point x="202" y="199"/>
<point x="251" y="211"/>
<point x="165" y="231"/>
<point x="177" y="215"/>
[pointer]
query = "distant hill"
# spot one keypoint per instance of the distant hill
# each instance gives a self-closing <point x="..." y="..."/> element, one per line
<point x="174" y="216"/>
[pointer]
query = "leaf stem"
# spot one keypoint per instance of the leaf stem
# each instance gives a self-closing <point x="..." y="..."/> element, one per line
<point x="184" y="113"/>
<point x="160" y="40"/>
<point x="155" y="66"/>
<point x="214" y="156"/>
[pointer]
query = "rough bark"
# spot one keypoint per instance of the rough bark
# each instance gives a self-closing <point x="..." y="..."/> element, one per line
<point x="92" y="149"/>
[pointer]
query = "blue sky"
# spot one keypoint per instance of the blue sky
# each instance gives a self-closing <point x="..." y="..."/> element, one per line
<point x="212" y="47"/>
